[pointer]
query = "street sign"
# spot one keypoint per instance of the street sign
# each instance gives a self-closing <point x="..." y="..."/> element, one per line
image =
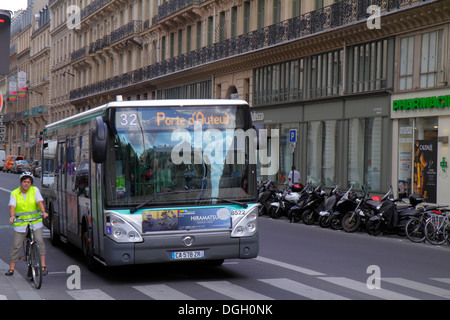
<point x="293" y="135"/>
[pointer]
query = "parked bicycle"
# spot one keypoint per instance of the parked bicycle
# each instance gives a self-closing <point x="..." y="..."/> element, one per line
<point x="437" y="228"/>
<point x="31" y="253"/>
<point x="415" y="227"/>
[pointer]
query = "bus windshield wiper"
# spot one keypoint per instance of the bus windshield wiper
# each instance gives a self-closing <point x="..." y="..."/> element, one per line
<point x="156" y="196"/>
<point x="242" y="204"/>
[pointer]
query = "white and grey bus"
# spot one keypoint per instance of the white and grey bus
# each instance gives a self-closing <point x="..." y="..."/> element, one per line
<point x="136" y="182"/>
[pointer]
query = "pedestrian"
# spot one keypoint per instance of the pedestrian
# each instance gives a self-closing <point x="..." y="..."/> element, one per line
<point x="26" y="201"/>
<point x="296" y="177"/>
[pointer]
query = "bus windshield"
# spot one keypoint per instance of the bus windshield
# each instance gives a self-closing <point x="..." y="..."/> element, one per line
<point x="179" y="155"/>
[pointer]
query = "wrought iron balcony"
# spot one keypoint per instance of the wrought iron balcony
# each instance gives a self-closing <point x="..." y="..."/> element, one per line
<point x="336" y="15"/>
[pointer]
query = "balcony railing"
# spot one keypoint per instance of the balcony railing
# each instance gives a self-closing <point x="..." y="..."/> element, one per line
<point x="327" y="18"/>
<point x="133" y="27"/>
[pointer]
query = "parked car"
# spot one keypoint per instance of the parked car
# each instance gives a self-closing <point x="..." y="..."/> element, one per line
<point x="20" y="166"/>
<point x="2" y="159"/>
<point x="35" y="164"/>
<point x="10" y="161"/>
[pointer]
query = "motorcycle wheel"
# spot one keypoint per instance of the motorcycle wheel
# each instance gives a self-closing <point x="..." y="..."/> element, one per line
<point x="275" y="212"/>
<point x="350" y="224"/>
<point x="336" y="223"/>
<point x="373" y="227"/>
<point x="308" y="217"/>
<point x="324" y="222"/>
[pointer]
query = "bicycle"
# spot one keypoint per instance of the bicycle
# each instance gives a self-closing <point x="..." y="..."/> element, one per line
<point x="31" y="252"/>
<point x="436" y="228"/>
<point x="415" y="227"/>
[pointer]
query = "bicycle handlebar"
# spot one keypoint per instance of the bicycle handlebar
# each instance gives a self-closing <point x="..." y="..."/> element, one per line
<point x="41" y="215"/>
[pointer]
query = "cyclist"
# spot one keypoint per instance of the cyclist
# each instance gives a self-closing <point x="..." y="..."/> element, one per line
<point x="26" y="201"/>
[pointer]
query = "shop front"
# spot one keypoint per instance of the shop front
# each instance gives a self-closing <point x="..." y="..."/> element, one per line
<point x="340" y="141"/>
<point x="421" y="129"/>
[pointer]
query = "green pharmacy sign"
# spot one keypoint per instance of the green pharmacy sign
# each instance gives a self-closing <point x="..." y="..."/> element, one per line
<point x="421" y="103"/>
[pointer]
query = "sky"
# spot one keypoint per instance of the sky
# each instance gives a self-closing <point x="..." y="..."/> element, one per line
<point x="13" y="4"/>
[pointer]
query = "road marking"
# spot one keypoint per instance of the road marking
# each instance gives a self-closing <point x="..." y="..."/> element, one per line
<point x="89" y="294"/>
<point x="362" y="287"/>
<point x="419" y="286"/>
<point x="444" y="280"/>
<point x="3" y="297"/>
<point x="290" y="266"/>
<point x="162" y="292"/>
<point x="233" y="291"/>
<point x="6" y="190"/>
<point x="303" y="290"/>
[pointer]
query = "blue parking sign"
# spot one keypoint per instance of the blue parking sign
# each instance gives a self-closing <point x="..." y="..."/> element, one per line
<point x="293" y="135"/>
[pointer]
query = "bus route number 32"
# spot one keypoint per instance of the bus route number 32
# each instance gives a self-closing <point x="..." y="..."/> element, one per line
<point x="128" y="119"/>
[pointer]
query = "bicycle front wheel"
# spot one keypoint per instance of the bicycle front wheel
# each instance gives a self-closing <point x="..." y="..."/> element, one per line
<point x="36" y="265"/>
<point x="415" y="230"/>
<point x="435" y="233"/>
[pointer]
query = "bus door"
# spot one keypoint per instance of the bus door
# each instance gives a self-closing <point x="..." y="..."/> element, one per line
<point x="61" y="186"/>
<point x="97" y="208"/>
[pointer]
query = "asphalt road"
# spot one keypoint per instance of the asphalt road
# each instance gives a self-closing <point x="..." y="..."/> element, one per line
<point x="296" y="262"/>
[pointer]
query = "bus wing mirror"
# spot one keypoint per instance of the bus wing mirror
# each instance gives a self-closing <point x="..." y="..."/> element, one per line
<point x="99" y="140"/>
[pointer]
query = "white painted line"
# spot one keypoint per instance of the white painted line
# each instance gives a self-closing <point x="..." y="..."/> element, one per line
<point x="89" y="294"/>
<point x="303" y="290"/>
<point x="419" y="286"/>
<point x="289" y="266"/>
<point x="362" y="287"/>
<point x="233" y="291"/>
<point x="162" y="292"/>
<point x="444" y="280"/>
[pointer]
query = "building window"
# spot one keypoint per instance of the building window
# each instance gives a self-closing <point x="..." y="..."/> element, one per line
<point x="369" y="66"/>
<point x="421" y="61"/>
<point x="406" y="63"/>
<point x="261" y="12"/>
<point x="365" y="151"/>
<point x="276" y="11"/>
<point x="210" y="30"/>
<point x="234" y="21"/>
<point x="322" y="152"/>
<point x="323" y="74"/>
<point x="278" y="82"/>
<point x="430" y="59"/>
<point x="246" y="17"/>
<point x="199" y="35"/>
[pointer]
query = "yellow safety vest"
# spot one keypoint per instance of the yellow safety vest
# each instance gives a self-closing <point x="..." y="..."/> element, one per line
<point x="26" y="208"/>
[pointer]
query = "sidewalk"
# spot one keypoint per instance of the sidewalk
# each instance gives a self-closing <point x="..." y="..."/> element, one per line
<point x="16" y="287"/>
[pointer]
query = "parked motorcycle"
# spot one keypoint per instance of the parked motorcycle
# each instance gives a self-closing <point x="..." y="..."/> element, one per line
<point x="295" y="212"/>
<point x="345" y="204"/>
<point x="283" y="203"/>
<point x="391" y="218"/>
<point x="266" y="195"/>
<point x="330" y="206"/>
<point x="314" y="204"/>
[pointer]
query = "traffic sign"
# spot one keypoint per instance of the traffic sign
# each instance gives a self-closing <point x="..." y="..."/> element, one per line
<point x="293" y="135"/>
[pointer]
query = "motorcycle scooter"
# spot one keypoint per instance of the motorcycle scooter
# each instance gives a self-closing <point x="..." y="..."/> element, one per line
<point x="284" y="202"/>
<point x="330" y="206"/>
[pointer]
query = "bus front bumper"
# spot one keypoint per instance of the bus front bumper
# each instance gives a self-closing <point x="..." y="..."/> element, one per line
<point x="159" y="248"/>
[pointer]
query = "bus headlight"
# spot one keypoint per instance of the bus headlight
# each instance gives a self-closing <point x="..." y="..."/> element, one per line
<point x="120" y="230"/>
<point x="248" y="225"/>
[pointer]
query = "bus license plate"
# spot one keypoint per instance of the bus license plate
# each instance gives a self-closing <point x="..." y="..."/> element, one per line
<point x="188" y="254"/>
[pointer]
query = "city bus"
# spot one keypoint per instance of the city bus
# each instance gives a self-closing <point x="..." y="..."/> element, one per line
<point x="150" y="181"/>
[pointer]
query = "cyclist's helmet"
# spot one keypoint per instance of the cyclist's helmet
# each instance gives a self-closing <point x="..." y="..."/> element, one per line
<point x="26" y="174"/>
